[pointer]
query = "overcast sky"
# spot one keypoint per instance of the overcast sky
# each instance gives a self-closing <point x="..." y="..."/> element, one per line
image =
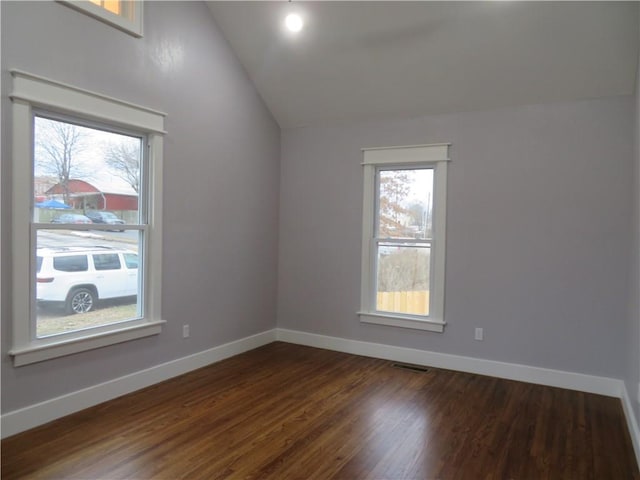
<point x="89" y="158"/>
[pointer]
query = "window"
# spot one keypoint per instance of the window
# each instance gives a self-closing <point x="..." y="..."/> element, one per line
<point x="116" y="6"/>
<point x="123" y="14"/>
<point x="131" y="260"/>
<point x="94" y="154"/>
<point x="73" y="263"/>
<point x="403" y="246"/>
<point x="107" y="261"/>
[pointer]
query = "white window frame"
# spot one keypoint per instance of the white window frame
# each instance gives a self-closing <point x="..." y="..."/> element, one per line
<point x="133" y="27"/>
<point x="435" y="156"/>
<point x="31" y="92"/>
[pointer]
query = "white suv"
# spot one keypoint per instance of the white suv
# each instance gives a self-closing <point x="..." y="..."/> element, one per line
<point x="78" y="276"/>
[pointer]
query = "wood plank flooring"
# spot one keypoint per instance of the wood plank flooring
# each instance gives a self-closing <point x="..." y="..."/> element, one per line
<point x="290" y="412"/>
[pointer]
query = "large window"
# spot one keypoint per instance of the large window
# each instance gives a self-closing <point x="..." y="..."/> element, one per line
<point x="96" y="178"/>
<point x="86" y="220"/>
<point x="404" y="236"/>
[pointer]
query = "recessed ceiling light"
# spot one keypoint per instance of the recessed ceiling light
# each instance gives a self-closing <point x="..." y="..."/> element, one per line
<point x="293" y="22"/>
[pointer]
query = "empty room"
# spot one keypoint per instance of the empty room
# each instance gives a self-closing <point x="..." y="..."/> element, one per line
<point x="320" y="240"/>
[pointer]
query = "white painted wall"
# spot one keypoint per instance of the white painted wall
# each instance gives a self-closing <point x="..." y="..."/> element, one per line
<point x="538" y="232"/>
<point x="220" y="180"/>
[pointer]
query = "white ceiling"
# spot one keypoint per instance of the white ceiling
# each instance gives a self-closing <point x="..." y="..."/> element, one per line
<point x="357" y="60"/>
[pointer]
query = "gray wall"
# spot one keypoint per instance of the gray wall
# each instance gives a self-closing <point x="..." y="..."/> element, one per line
<point x="632" y="375"/>
<point x="539" y="201"/>
<point x="539" y="204"/>
<point x="220" y="185"/>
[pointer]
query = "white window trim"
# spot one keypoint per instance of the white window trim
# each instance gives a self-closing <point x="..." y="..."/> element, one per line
<point x="435" y="156"/>
<point x="29" y="92"/>
<point x="132" y="27"/>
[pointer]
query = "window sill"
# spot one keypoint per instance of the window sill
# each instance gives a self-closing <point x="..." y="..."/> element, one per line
<point x="402" y="322"/>
<point x="60" y="347"/>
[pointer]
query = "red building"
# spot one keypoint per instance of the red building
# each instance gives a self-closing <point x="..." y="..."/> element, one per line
<point x="85" y="196"/>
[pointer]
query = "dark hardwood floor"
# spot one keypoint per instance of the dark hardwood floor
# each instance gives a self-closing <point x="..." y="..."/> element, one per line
<point x="290" y="412"/>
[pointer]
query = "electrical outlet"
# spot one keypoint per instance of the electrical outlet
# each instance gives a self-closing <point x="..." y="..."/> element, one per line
<point x="185" y="331"/>
<point x="479" y="334"/>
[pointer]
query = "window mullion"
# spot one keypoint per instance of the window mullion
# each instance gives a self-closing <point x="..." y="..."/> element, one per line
<point x="412" y="241"/>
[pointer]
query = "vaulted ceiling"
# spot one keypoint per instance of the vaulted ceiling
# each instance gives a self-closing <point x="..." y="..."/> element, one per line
<point x="360" y="60"/>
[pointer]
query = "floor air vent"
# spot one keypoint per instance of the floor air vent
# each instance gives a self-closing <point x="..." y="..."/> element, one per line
<point x="413" y="368"/>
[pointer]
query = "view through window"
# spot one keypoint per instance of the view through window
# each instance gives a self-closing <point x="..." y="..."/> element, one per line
<point x="88" y="223"/>
<point x="404" y="239"/>
<point x="117" y="7"/>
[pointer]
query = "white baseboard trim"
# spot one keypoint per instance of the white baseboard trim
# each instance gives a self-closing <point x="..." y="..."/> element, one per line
<point x="554" y="378"/>
<point x="34" y="415"/>
<point x="41" y="413"/>
<point x="632" y="421"/>
<point x="611" y="387"/>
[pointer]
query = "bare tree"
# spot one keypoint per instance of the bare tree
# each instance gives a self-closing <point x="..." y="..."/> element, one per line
<point x="124" y="159"/>
<point x="394" y="189"/>
<point x="58" y="145"/>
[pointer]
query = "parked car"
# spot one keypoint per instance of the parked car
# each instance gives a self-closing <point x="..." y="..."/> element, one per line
<point x="71" y="218"/>
<point x="76" y="277"/>
<point x="105" y="217"/>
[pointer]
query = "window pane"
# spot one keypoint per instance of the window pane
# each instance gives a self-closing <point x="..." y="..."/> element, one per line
<point x="69" y="263"/>
<point x="84" y="282"/>
<point x="405" y="203"/>
<point x="122" y="8"/>
<point x="403" y="279"/>
<point x="112" y="6"/>
<point x="131" y="260"/>
<point x="85" y="175"/>
<point x="107" y="261"/>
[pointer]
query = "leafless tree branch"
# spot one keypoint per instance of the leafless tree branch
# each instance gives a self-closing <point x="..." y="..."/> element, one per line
<point x="124" y="159"/>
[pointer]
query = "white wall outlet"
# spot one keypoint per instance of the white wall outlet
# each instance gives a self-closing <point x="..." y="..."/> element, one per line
<point x="185" y="331"/>
<point x="479" y="334"/>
